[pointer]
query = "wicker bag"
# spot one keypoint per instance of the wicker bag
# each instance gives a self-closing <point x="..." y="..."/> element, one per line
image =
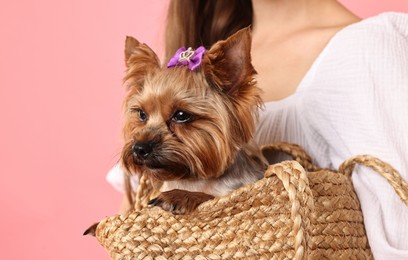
<point x="292" y="213"/>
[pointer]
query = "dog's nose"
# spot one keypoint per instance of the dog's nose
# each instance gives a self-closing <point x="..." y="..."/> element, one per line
<point x="143" y="150"/>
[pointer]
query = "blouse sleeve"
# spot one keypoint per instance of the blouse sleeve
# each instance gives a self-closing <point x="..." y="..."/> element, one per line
<point x="116" y="177"/>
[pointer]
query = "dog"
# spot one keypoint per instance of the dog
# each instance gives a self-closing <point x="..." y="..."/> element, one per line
<point x="188" y="126"/>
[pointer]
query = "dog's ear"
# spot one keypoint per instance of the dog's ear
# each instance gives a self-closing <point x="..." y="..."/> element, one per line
<point x="228" y="64"/>
<point x="228" y="67"/>
<point x="140" y="60"/>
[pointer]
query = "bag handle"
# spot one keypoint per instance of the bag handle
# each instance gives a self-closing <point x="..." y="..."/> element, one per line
<point x="143" y="192"/>
<point x="384" y="169"/>
<point x="296" y="182"/>
<point x="295" y="151"/>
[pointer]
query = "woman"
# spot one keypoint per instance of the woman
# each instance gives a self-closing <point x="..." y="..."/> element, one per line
<point x="333" y="84"/>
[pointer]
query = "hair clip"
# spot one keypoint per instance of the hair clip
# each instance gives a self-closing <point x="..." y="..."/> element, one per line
<point x="187" y="57"/>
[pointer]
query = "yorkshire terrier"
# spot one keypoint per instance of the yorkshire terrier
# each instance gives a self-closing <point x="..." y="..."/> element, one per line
<point x="189" y="125"/>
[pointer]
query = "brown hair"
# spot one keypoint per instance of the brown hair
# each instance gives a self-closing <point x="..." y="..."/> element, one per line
<point x="191" y="23"/>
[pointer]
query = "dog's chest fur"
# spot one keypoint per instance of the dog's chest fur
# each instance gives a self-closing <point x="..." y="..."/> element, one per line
<point x="247" y="167"/>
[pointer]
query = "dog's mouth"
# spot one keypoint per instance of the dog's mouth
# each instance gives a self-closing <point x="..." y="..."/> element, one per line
<point x="163" y="169"/>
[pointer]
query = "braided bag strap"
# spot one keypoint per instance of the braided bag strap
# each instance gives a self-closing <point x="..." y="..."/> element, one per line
<point x="295" y="181"/>
<point x="144" y="192"/>
<point x="295" y="151"/>
<point x="384" y="169"/>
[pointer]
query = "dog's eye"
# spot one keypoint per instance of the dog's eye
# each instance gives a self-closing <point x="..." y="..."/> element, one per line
<point x="142" y="114"/>
<point x="181" y="117"/>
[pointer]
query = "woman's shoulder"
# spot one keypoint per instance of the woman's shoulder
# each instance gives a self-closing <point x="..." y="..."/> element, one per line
<point x="388" y="18"/>
<point x="374" y="40"/>
<point x="389" y="25"/>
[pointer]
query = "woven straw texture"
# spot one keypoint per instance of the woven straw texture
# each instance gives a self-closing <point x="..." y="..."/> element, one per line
<point x="297" y="211"/>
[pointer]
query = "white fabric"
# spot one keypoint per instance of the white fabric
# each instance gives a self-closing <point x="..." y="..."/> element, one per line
<point x="354" y="100"/>
<point x="116" y="177"/>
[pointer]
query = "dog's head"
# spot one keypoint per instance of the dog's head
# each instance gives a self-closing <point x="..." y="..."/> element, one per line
<point x="188" y="123"/>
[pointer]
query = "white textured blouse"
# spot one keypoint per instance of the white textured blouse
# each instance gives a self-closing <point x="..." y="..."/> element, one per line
<point x="353" y="100"/>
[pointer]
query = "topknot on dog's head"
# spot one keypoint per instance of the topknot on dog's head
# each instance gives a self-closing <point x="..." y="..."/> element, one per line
<point x="227" y="64"/>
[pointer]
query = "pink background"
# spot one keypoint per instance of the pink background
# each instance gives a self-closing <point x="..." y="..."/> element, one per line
<point x="61" y="66"/>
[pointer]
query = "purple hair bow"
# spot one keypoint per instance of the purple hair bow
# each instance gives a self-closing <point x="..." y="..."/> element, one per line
<point x="187" y="57"/>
